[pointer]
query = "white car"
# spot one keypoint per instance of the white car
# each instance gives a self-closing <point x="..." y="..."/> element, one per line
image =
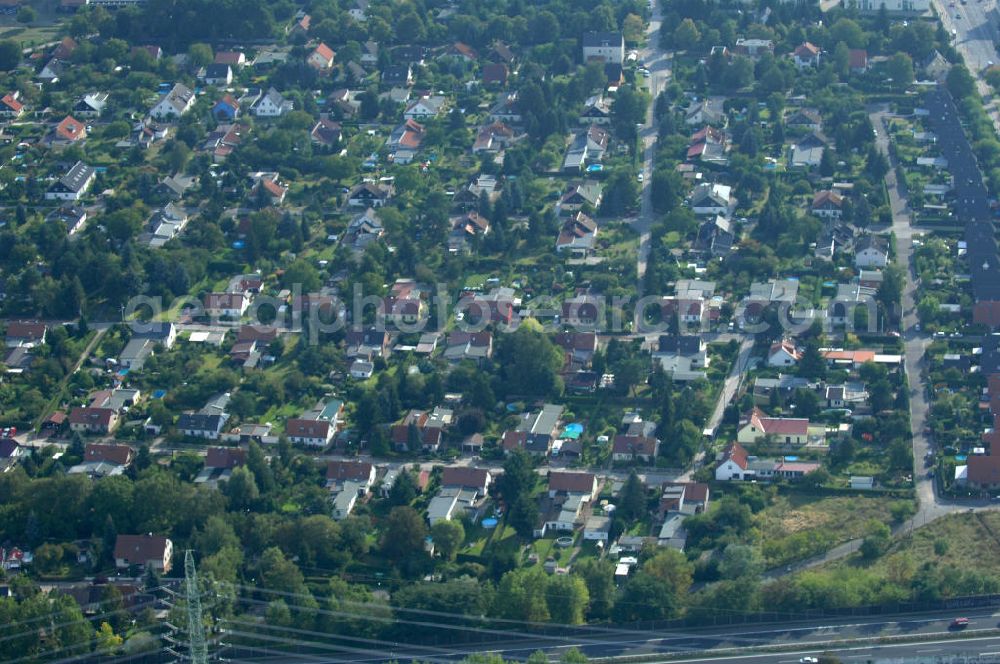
<point x="808" y="660"/>
<point x="641" y="177"/>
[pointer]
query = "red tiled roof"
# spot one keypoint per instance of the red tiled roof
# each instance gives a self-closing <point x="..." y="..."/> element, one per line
<point x="307" y="428"/>
<point x="91" y="416"/>
<point x="571" y="482"/>
<point x="983" y="470"/>
<point x="464" y="477"/>
<point x="120" y="455"/>
<point x="352" y="471"/>
<point x="11" y="103"/>
<point x="642" y="445"/>
<point x="138" y="549"/>
<point x="225" y="457"/>
<point x="71" y="129"/>
<point x="26" y="329"/>
<point x="735" y="453"/>
<point x="324" y="52"/>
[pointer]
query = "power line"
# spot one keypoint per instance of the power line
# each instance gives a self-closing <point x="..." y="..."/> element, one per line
<point x="197" y="649"/>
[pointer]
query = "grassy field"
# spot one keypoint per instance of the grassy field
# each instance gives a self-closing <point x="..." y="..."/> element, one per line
<point x="797" y="526"/>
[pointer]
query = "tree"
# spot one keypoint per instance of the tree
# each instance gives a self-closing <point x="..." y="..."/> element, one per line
<point x="107" y="640"/>
<point x="599" y="575"/>
<point x="27" y="14"/>
<point x="448" y="537"/>
<point x="900" y="69"/>
<point x="404" y="534"/>
<point x="10" y="54"/>
<point x="519" y="477"/>
<point x="812" y="365"/>
<point x="521" y="595"/>
<point x="686" y="35"/>
<point x="279" y="573"/>
<point x="740" y="561"/>
<point x="522" y="515"/>
<point x="959" y="81"/>
<point x="200" y="55"/>
<point x="530" y="362"/>
<point x="632" y="499"/>
<point x="877" y="542"/>
<point x="567" y="598"/>
<point x="404" y="489"/>
<point x="241" y="489"/>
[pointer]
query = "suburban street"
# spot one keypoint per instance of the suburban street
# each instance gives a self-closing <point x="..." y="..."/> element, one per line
<point x="657" y="61"/>
<point x="975" y="31"/>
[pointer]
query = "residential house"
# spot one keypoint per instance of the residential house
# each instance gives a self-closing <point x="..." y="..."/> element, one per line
<point x="150" y="551"/>
<point x="475" y="346"/>
<point x="626" y="448"/>
<point x="827" y="204"/>
<point x="596" y="111"/>
<point x="494" y="74"/>
<point x="174" y="104"/>
<point x="466" y="477"/>
<point x="366" y="343"/>
<point x="982" y="471"/>
<point x="271" y="105"/>
<point x="535" y="432"/>
<point x="370" y="195"/>
<point x="226" y="109"/>
<point x="421" y="430"/>
<point x="224" y="140"/>
<point x="708" y="145"/>
<point x="232" y="58"/>
<point x="783" y="354"/>
<point x="684" y="357"/>
<point x="91" y="105"/>
<point x="465" y="229"/>
<point x="493" y="138"/>
<point x="705" y="112"/>
<point x="506" y="109"/>
<point x="582" y="311"/>
<point x="757" y="426"/>
<point x="11" y="107"/>
<point x="607" y="47"/>
<point x="806" y="55"/>
<point x="317" y="427"/>
<point x="85" y="419"/>
<point x="326" y="133"/>
<point x="857" y="60"/>
<point x="710" y="198"/>
<point x="218" y="75"/>
<point x="269" y="189"/>
<point x="734" y="464"/>
<point x="25" y="333"/>
<point x="364" y="229"/>
<point x="361" y="473"/>
<point x="51" y="72"/>
<point x="397" y="75"/>
<point x="567" y="504"/>
<point x="579" y="347"/>
<point x="715" y="237"/>
<point x="871" y="251"/>
<point x="321" y="58"/>
<point x="579" y="195"/>
<point x="425" y="107"/>
<point x="68" y="131"/>
<point x="74" y="185"/>
<point x="577" y="235"/>
<point x="165" y="224"/>
<point x="753" y="48"/>
<point x="405" y="140"/>
<point x="586" y="147"/>
<point x="806" y="119"/>
<point x="229" y="305"/>
<point x="219" y="464"/>
<point x="808" y="152"/>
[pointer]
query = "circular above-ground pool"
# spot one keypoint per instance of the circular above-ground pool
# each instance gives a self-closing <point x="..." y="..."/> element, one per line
<point x="489" y="523"/>
<point x="564" y="542"/>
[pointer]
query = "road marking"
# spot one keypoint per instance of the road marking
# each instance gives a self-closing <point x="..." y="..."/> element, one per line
<point x="930" y="650"/>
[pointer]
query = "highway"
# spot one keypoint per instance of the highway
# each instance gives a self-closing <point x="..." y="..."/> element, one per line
<point x="927" y="637"/>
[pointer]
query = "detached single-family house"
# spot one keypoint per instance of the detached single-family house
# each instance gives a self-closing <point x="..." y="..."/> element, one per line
<point x="607" y="47"/>
<point x="805" y="55"/>
<point x="808" y="152"/>
<point x="582" y="194"/>
<point x="231" y="305"/>
<point x="11" y="106"/>
<point x="85" y="419"/>
<point x="704" y="112"/>
<point x="68" y="131"/>
<point x="218" y="75"/>
<point x="758" y="426"/>
<point x="710" y="198"/>
<point x="626" y="448"/>
<point x="871" y="251"/>
<point x="361" y="473"/>
<point x="425" y="107"/>
<point x="326" y="133"/>
<point x="272" y="105"/>
<point x="827" y="204"/>
<point x="25" y="333"/>
<point x="174" y="104"/>
<point x="91" y="105"/>
<point x="226" y="109"/>
<point x="74" y="185"/>
<point x="806" y="119"/>
<point x="321" y="58"/>
<point x="783" y="354"/>
<point x="150" y="551"/>
<point x="734" y="463"/>
<point x="369" y="195"/>
<point x="577" y="235"/>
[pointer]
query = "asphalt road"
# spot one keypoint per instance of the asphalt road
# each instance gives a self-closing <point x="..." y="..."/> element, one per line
<point x="929" y="636"/>
<point x="975" y="25"/>
<point x="658" y="63"/>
